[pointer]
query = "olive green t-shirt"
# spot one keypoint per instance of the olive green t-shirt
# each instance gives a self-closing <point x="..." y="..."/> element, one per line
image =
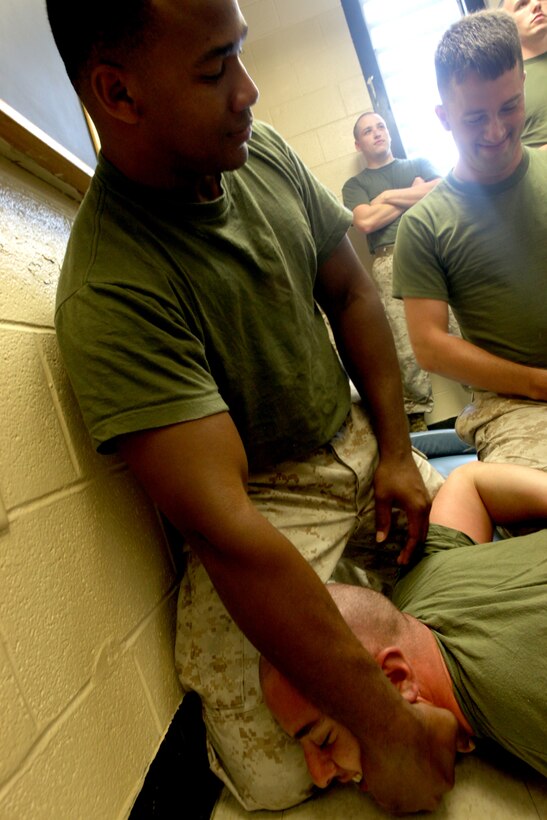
<point x="371" y="182"/>
<point x="535" y="94"/>
<point x="483" y="249"/>
<point x="486" y="605"/>
<point x="169" y="311"/>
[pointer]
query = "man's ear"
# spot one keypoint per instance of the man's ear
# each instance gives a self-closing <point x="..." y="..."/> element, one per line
<point x="111" y="89"/>
<point x="440" y="111"/>
<point x="395" y="666"/>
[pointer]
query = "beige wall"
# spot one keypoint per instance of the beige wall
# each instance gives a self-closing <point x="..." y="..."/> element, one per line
<point x="87" y="583"/>
<point x="301" y="56"/>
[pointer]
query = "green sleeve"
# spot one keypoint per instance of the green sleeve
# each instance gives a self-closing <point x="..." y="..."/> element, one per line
<point x="354" y="194"/>
<point x="417" y="270"/>
<point x="150" y="365"/>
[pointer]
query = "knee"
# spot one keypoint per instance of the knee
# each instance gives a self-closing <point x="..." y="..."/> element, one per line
<point x="262" y="767"/>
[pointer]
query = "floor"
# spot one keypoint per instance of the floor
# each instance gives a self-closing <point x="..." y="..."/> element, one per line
<point x="488" y="787"/>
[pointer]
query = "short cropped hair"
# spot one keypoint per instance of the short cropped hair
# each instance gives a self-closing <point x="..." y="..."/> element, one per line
<point x="356" y="126"/>
<point x="485" y="43"/>
<point x="92" y="31"/>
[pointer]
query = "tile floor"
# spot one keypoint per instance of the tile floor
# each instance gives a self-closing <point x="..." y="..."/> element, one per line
<point x="488" y="787"/>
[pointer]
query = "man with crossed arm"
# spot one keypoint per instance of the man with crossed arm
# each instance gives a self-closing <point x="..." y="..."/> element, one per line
<point x="378" y="196"/>
<point x="530" y="17"/>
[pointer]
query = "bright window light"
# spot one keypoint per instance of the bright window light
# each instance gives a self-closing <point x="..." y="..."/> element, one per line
<point x="404" y="35"/>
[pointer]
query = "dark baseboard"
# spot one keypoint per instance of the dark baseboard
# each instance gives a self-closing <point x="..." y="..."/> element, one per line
<point x="179" y="784"/>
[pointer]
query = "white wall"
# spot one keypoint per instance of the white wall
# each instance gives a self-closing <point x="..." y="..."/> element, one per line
<point x="87" y="583"/>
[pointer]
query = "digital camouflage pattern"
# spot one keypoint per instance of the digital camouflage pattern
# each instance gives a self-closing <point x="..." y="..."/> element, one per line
<point x="319" y="504"/>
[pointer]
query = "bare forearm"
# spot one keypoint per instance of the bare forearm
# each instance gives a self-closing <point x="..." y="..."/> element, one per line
<point x="334" y="671"/>
<point x="406" y="197"/>
<point x="511" y="492"/>
<point x="480" y="494"/>
<point x="462" y="361"/>
<point x="367" y="348"/>
<point x="370" y="218"/>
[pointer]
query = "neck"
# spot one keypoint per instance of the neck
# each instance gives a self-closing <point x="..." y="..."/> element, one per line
<point x="435" y="683"/>
<point x="192" y="187"/>
<point x="379" y="163"/>
<point x="465" y="173"/>
<point x="535" y="46"/>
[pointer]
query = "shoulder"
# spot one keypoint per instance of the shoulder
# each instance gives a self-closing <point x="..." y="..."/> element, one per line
<point x="537" y="160"/>
<point x="357" y="181"/>
<point x="267" y="143"/>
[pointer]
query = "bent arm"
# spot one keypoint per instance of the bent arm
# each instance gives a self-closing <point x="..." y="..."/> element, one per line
<point x="364" y="340"/>
<point x="389" y="205"/>
<point x="440" y="352"/>
<point x="406" y="197"/>
<point x="196" y="472"/>
<point x="478" y="494"/>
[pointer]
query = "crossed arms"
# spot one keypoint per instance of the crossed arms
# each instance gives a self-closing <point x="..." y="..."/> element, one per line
<point x="389" y="205"/>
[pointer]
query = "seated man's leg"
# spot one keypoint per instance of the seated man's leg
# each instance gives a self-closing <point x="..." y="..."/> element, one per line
<point x="505" y="429"/>
<point x="314" y="504"/>
<point x="417" y="389"/>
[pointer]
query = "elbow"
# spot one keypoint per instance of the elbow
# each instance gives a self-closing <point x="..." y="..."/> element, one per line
<point x="425" y="356"/>
<point x="364" y="225"/>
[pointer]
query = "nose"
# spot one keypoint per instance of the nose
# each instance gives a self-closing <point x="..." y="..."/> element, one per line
<point x="246" y="92"/>
<point x="321" y="767"/>
<point x="495" y="131"/>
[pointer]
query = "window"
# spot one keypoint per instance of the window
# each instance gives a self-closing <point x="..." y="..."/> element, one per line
<point x="396" y="43"/>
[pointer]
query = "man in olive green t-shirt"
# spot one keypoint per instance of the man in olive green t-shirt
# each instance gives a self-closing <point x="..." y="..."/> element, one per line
<point x="478" y="243"/>
<point x="465" y="628"/>
<point x="188" y="316"/>
<point x="377" y="197"/>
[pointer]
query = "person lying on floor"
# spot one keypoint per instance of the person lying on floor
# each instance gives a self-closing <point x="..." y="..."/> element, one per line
<point x="465" y="629"/>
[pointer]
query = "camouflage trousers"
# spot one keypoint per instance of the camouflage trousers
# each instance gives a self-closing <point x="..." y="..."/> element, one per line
<point x="506" y="429"/>
<point x="417" y="390"/>
<point x="320" y="504"/>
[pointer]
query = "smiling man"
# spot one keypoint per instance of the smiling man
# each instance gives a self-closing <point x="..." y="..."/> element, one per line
<point x="478" y="243"/>
<point x="530" y="17"/>
<point x="189" y="319"/>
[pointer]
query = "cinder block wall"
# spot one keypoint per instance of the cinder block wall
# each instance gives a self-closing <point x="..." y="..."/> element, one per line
<point x="301" y="56"/>
<point x="87" y="582"/>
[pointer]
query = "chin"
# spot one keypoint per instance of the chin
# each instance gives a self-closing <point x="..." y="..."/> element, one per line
<point x="238" y="159"/>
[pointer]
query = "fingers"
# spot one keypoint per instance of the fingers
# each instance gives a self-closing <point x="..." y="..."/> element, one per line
<point x="383" y="518"/>
<point x="418" y="522"/>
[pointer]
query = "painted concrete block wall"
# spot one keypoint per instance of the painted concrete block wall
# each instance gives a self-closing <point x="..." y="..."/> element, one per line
<point x="87" y="580"/>
<point x="301" y="56"/>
